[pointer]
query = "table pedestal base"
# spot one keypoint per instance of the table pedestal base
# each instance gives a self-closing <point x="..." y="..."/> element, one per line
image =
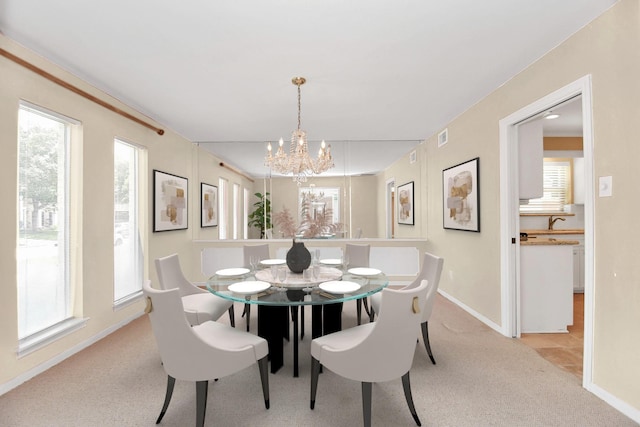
<point x="273" y="326"/>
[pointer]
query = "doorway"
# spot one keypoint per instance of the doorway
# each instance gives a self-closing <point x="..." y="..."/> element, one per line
<point x="391" y="203"/>
<point x="509" y="209"/>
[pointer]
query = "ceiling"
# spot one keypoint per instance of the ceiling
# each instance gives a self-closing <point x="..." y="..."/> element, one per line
<point x="382" y="75"/>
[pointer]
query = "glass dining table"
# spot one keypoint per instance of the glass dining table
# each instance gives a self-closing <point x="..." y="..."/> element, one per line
<point x="275" y="290"/>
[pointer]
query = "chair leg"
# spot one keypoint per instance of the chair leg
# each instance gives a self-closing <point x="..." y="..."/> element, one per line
<point x="406" y="385"/>
<point x="425" y="337"/>
<point x="301" y="322"/>
<point x="202" y="388"/>
<point x="232" y="317"/>
<point x="366" y="403"/>
<point x="315" y="373"/>
<point x="372" y="314"/>
<point x="365" y="301"/>
<point x="359" y="304"/>
<point x="167" y="398"/>
<point x="247" y="310"/>
<point x="263" y="365"/>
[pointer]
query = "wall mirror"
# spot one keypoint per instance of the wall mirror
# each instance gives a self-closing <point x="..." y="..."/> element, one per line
<point x="351" y="189"/>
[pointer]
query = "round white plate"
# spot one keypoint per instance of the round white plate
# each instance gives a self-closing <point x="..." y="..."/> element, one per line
<point x="273" y="261"/>
<point x="364" y="271"/>
<point x="331" y="261"/>
<point x="249" y="287"/>
<point x="339" y="287"/>
<point x="231" y="272"/>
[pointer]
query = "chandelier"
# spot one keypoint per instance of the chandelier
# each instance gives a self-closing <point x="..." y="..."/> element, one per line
<point x="298" y="162"/>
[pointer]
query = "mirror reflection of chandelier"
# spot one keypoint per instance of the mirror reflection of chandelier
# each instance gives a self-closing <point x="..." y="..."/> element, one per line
<point x="298" y="162"/>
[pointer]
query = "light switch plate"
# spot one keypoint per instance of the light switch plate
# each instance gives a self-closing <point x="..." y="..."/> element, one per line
<point x="605" y="186"/>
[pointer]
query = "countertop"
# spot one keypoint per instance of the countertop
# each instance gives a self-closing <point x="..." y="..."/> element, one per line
<point x="553" y="232"/>
<point x="538" y="241"/>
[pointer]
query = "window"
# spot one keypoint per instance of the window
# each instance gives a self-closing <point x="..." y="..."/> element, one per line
<point x="245" y="215"/>
<point x="223" y="204"/>
<point x="45" y="304"/>
<point x="128" y="259"/>
<point x="321" y="202"/>
<point x="236" y="210"/>
<point x="556" y="188"/>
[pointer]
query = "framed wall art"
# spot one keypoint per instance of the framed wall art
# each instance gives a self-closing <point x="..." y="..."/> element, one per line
<point x="170" y="204"/>
<point x="461" y="198"/>
<point x="405" y="204"/>
<point x="208" y="205"/>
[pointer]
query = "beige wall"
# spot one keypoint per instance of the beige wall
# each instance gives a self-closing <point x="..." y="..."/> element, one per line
<point x="99" y="127"/>
<point x="607" y="49"/>
<point x="403" y="172"/>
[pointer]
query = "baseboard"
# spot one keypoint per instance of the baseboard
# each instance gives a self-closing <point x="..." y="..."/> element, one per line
<point x="472" y="312"/>
<point x="26" y="376"/>
<point x="621" y="406"/>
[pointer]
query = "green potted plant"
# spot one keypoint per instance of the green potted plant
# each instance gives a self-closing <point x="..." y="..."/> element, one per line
<point x="261" y="215"/>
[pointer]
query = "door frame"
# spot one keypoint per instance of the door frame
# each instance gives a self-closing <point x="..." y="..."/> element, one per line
<point x="390" y="208"/>
<point x="510" y="224"/>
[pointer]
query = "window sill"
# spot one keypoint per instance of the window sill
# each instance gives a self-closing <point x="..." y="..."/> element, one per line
<point x="127" y="301"/>
<point x="42" y="339"/>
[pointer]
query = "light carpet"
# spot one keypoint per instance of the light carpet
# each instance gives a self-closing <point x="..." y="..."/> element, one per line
<point x="481" y="379"/>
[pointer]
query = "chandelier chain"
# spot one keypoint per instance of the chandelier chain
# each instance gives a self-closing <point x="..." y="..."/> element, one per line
<point x="299" y="103"/>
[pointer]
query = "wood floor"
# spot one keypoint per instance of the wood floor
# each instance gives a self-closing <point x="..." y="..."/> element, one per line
<point x="563" y="350"/>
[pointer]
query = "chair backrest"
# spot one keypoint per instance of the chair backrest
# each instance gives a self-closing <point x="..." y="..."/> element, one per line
<point x="170" y="276"/>
<point x="389" y="347"/>
<point x="431" y="270"/>
<point x="213" y="259"/>
<point x="185" y="355"/>
<point x="358" y="255"/>
<point x="261" y="251"/>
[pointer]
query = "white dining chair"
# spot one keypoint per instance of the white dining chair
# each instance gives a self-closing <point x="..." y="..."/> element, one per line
<point x="199" y="305"/>
<point x="431" y="270"/>
<point x="200" y="353"/>
<point x="358" y="256"/>
<point x="375" y="352"/>
<point x="260" y="252"/>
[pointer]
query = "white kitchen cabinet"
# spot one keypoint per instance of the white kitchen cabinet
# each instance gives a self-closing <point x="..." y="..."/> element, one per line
<point x="530" y="160"/>
<point x="578" y="262"/>
<point x="546" y="288"/>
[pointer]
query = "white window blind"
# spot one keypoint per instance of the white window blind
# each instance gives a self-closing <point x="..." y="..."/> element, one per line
<point x="556" y="188"/>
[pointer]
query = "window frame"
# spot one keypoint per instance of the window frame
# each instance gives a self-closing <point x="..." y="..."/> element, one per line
<point x="137" y="227"/>
<point x="71" y="319"/>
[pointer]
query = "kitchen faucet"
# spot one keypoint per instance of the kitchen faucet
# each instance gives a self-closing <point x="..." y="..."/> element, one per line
<point x="553" y="221"/>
